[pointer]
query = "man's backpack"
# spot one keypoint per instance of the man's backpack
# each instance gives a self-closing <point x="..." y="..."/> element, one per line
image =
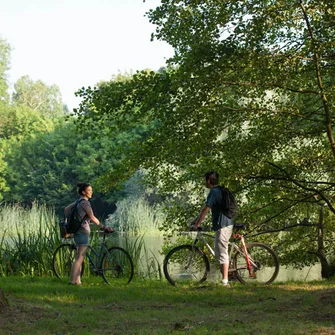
<point x="228" y="205"/>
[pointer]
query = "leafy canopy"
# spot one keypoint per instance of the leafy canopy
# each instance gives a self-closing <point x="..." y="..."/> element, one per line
<point x="249" y="92"/>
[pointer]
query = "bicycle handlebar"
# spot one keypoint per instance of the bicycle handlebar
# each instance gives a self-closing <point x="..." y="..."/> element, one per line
<point x="236" y="227"/>
<point x="192" y="228"/>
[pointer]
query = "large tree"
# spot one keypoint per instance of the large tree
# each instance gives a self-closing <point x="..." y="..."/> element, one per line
<point x="38" y="96"/>
<point x="45" y="166"/>
<point x="4" y="101"/>
<point x="4" y="67"/>
<point x="250" y="92"/>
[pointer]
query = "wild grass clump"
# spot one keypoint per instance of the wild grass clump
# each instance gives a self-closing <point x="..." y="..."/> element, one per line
<point x="135" y="216"/>
<point x="28" y="239"/>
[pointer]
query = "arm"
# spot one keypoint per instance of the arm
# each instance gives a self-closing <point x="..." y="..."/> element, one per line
<point x="90" y="214"/>
<point x="92" y="217"/>
<point x="201" y="217"/>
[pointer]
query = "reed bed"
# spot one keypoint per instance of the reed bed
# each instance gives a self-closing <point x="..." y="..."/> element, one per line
<point x="29" y="236"/>
<point x="28" y="239"/>
<point x="135" y="216"/>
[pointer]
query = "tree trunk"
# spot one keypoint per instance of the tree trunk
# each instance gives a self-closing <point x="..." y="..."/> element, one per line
<point x="3" y="300"/>
<point x="326" y="269"/>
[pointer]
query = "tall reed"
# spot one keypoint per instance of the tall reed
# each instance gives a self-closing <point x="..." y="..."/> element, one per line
<point x="28" y="239"/>
<point x="135" y="216"/>
<point x="146" y="263"/>
<point x="134" y="219"/>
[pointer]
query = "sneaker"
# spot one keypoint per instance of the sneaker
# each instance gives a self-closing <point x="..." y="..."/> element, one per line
<point x="227" y="285"/>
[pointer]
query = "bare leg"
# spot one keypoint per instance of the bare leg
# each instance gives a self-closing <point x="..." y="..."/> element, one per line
<point x="77" y="265"/>
<point x="224" y="271"/>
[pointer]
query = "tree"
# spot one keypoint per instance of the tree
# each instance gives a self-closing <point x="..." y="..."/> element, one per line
<point x="38" y="96"/>
<point x="4" y="67"/>
<point x="249" y="91"/>
<point x="4" y="101"/>
<point x="45" y="166"/>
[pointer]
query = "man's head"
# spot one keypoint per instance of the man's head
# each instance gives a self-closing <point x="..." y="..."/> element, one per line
<point x="211" y="179"/>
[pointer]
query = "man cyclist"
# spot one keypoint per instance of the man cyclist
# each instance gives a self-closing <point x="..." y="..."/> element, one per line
<point x="221" y="224"/>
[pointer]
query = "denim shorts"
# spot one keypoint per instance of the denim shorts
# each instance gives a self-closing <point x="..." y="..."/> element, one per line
<point x="81" y="238"/>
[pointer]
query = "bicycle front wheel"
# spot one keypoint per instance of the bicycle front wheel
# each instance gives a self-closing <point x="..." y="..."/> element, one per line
<point x="263" y="262"/>
<point x="63" y="259"/>
<point x="186" y="265"/>
<point x="117" y="266"/>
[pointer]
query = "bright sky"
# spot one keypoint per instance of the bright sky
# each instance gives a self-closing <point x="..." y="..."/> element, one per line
<point x="76" y="43"/>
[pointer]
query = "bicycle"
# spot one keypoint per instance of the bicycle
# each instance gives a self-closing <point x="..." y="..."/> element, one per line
<point x="253" y="262"/>
<point x="113" y="264"/>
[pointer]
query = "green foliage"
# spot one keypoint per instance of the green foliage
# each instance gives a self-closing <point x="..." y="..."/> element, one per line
<point x="20" y="122"/>
<point x="52" y="160"/>
<point x="4" y="67"/>
<point x="248" y="92"/>
<point x="38" y="97"/>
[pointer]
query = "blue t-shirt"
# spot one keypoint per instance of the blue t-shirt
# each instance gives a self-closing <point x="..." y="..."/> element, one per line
<point x="214" y="200"/>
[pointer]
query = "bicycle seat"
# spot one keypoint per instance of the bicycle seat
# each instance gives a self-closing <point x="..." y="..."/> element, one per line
<point x="240" y="226"/>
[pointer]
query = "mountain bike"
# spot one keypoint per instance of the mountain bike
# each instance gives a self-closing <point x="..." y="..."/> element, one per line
<point x="114" y="264"/>
<point x="249" y="262"/>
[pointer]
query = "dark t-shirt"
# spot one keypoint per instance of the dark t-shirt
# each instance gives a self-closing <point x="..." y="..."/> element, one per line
<point x="214" y="201"/>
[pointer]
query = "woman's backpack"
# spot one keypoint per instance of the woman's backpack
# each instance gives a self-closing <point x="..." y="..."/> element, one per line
<point x="72" y="223"/>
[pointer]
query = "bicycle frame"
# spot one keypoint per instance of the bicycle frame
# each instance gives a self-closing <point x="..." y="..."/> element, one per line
<point x="233" y="248"/>
<point x="98" y="255"/>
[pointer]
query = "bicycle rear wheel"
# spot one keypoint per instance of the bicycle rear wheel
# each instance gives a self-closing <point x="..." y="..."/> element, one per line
<point x="185" y="265"/>
<point x="117" y="266"/>
<point x="264" y="264"/>
<point x="62" y="261"/>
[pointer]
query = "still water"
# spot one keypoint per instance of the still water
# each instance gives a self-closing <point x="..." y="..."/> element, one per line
<point x="154" y="244"/>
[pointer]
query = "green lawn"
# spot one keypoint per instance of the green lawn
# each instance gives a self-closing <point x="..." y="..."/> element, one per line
<point x="48" y="306"/>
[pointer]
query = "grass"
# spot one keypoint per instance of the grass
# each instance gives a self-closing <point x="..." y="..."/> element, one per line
<point x="43" y="305"/>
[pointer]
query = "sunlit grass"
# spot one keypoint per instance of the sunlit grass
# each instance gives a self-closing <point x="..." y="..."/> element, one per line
<point x="48" y="306"/>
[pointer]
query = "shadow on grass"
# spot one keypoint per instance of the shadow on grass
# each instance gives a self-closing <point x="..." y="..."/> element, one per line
<point x="48" y="306"/>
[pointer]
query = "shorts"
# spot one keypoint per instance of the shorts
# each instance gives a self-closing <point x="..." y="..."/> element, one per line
<point x="81" y="238"/>
<point x="222" y="237"/>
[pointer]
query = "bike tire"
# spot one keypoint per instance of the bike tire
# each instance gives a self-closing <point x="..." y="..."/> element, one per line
<point x="63" y="259"/>
<point x="186" y="265"/>
<point x="117" y="266"/>
<point x="265" y="265"/>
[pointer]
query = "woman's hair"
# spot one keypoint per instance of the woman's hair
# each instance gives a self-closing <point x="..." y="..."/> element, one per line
<point x="213" y="177"/>
<point x="82" y="187"/>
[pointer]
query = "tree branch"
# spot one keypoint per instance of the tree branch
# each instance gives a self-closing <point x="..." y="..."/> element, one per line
<point x="329" y="127"/>
<point x="301" y="224"/>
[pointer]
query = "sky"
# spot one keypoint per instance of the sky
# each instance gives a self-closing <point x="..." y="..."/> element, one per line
<point x="77" y="43"/>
